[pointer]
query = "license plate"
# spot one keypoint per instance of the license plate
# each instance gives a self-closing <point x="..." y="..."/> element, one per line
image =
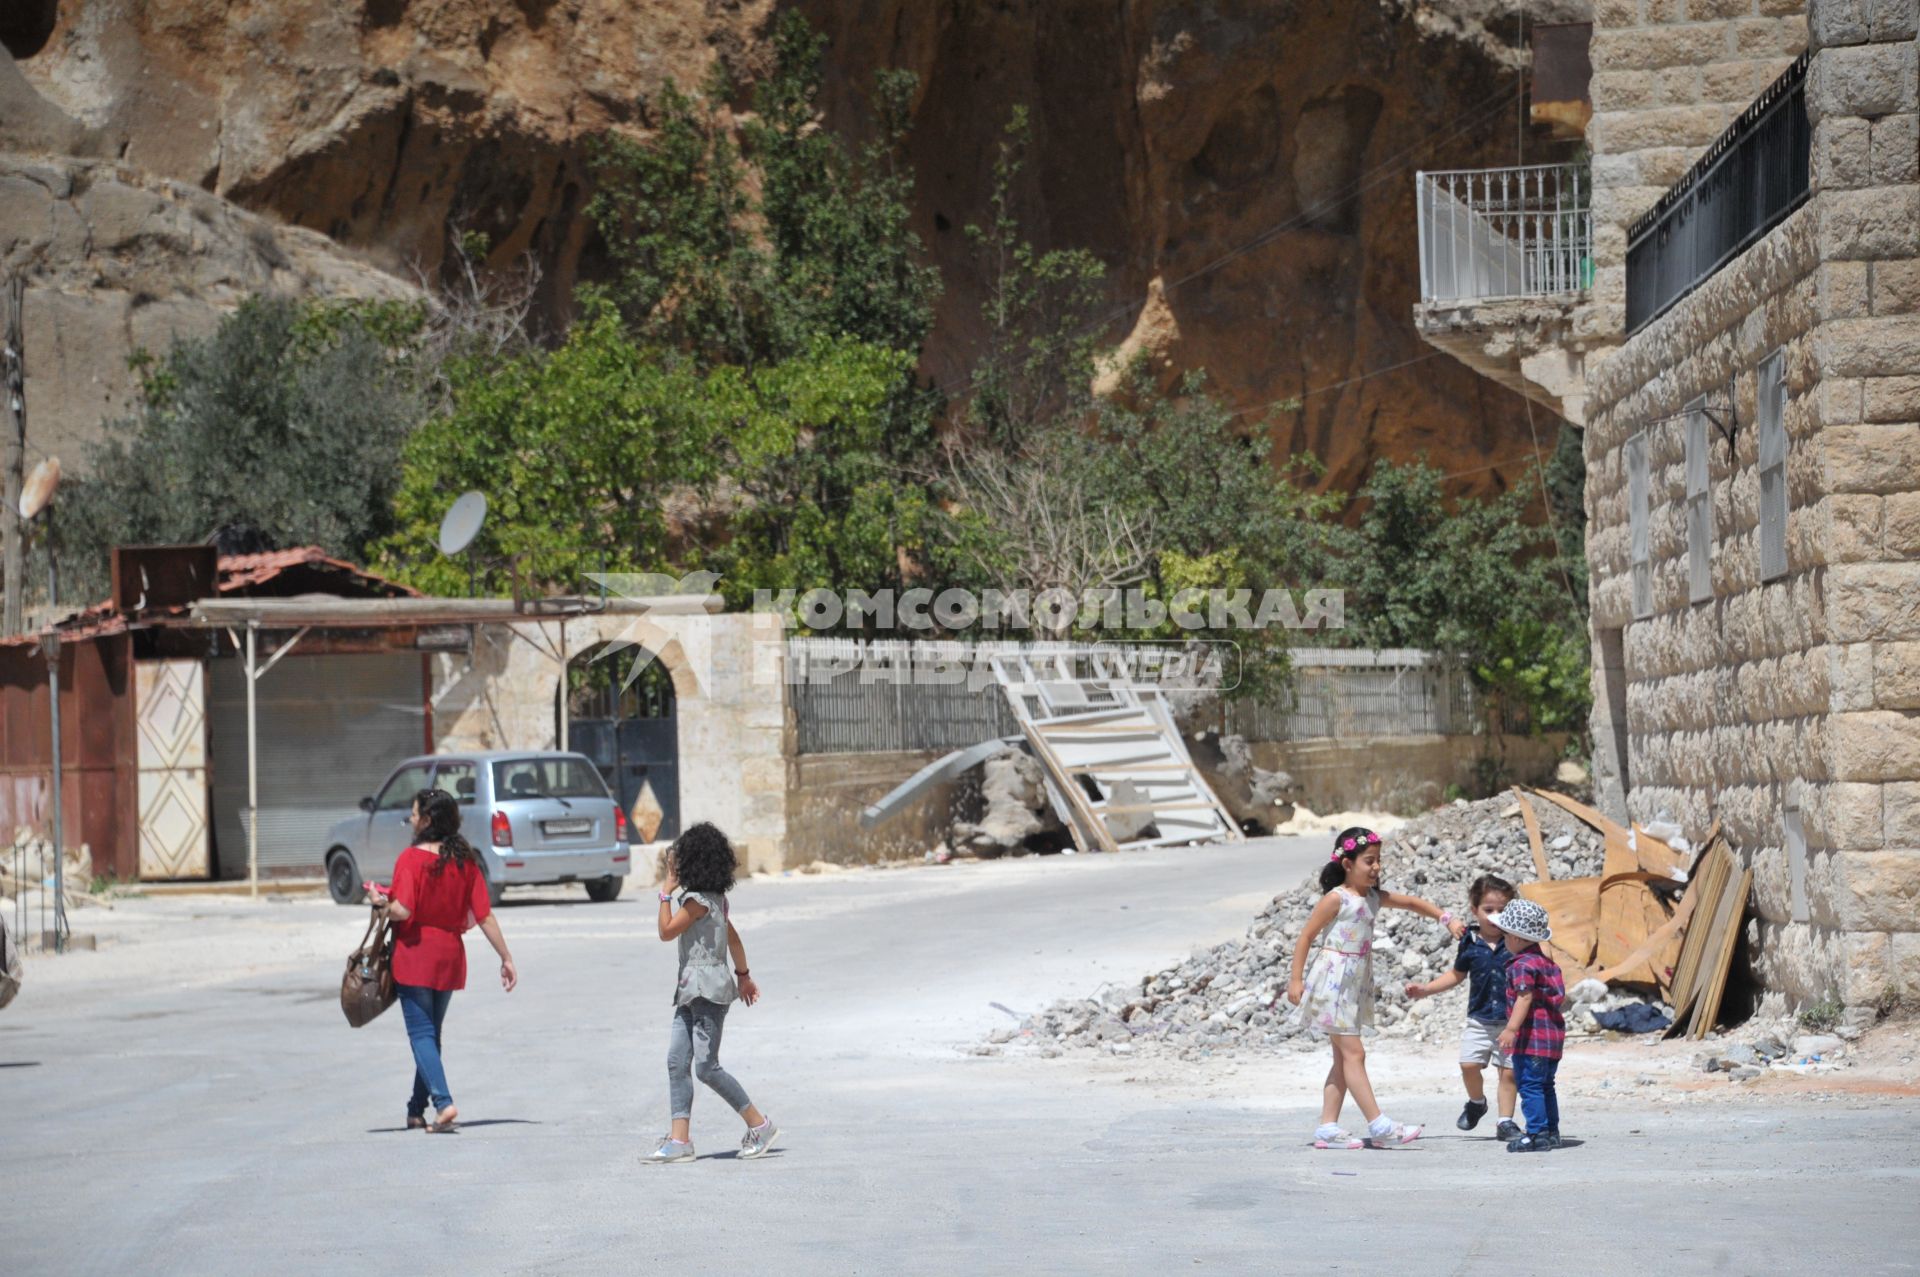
<point x="567" y="826"/>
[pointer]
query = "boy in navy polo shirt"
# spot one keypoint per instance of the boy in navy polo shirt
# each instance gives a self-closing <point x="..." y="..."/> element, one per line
<point x="1482" y="961"/>
<point x="1536" y="1031"/>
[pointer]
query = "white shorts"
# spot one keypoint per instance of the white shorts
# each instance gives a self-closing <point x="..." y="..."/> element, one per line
<point x="1480" y="1044"/>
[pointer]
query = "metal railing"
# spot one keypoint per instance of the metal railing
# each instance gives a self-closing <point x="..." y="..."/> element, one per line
<point x="1750" y="179"/>
<point x="1504" y="232"/>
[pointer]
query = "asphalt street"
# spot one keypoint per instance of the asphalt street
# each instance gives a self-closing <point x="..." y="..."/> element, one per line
<point x="159" y="1117"/>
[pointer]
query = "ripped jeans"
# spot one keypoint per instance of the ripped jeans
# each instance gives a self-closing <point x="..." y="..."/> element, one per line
<point x="693" y="1051"/>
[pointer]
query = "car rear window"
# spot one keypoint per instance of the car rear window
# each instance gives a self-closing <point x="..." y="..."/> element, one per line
<point x="547" y="778"/>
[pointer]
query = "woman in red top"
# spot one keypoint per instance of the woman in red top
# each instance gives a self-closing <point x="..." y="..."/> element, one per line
<point x="438" y="892"/>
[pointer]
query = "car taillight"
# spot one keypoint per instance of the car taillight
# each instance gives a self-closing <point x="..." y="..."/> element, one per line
<point x="619" y="823"/>
<point x="502" y="830"/>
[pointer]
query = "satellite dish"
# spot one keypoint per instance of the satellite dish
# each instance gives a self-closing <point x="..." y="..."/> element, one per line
<point x="463" y="521"/>
<point x="37" y="495"/>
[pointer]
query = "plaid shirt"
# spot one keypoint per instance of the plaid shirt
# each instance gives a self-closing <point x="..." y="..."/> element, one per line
<point x="1544" y="1032"/>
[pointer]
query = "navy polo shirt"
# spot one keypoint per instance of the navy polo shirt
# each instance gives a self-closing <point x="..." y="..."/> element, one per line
<point x="1486" y="968"/>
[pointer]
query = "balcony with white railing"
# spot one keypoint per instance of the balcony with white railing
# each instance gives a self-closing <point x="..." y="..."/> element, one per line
<point x="1506" y="258"/>
<point x="1504" y="232"/>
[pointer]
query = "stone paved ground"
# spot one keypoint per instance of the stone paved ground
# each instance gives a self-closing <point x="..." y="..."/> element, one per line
<point x="188" y="1100"/>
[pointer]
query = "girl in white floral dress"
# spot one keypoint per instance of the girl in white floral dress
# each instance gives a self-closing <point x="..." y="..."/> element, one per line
<point x="1336" y="994"/>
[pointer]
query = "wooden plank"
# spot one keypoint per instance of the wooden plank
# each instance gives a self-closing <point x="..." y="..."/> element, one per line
<point x="1572" y="906"/>
<point x="1713" y="937"/>
<point x="1532" y="820"/>
<point x="1584" y="812"/>
<point x="1707" y="1010"/>
<point x="1704" y="891"/>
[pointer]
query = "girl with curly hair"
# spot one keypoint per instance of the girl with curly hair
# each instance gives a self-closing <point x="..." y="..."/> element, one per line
<point x="700" y="869"/>
<point x="1335" y="995"/>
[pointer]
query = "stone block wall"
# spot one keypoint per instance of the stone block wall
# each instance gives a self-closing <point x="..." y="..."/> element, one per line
<point x="727" y="681"/>
<point x="1799" y="693"/>
<point x="1668" y="77"/>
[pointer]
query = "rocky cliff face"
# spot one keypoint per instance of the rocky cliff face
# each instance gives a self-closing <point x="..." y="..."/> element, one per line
<point x="1245" y="167"/>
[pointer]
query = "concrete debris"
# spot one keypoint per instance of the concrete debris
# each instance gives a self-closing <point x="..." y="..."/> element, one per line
<point x="1013" y="787"/>
<point x="1233" y="997"/>
<point x="1259" y="799"/>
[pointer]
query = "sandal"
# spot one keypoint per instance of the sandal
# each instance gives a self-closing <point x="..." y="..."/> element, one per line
<point x="416" y="1122"/>
<point x="444" y="1121"/>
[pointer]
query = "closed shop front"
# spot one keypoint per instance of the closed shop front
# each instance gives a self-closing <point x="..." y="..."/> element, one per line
<point x="331" y="728"/>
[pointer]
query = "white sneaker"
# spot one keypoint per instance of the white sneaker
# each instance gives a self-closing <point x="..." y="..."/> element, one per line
<point x="1331" y="1136"/>
<point x="670" y="1150"/>
<point x="1385" y="1134"/>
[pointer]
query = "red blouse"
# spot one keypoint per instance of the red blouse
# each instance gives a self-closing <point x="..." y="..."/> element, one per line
<point x="442" y="902"/>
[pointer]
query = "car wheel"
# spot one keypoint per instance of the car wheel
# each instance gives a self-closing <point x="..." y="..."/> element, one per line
<point x="343" y="879"/>
<point x="602" y="890"/>
<point x="494" y="890"/>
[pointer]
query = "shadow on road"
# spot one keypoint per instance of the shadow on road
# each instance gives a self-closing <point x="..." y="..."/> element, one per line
<point x="463" y="1125"/>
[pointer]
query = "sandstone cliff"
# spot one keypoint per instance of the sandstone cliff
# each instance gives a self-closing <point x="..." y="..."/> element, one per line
<point x="1245" y="167"/>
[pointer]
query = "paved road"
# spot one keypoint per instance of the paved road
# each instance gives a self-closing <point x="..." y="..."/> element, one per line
<point x="235" y="1125"/>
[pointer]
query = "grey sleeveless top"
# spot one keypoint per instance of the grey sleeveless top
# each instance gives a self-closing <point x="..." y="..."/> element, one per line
<point x="705" y="971"/>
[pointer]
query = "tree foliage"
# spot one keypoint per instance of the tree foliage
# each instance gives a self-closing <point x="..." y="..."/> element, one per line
<point x="287" y="421"/>
<point x="604" y="454"/>
<point x="1472" y="578"/>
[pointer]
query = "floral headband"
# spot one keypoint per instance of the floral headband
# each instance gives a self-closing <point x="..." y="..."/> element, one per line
<point x="1351" y="845"/>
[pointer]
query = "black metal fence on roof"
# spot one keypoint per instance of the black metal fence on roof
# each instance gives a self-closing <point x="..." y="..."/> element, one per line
<point x="1750" y="179"/>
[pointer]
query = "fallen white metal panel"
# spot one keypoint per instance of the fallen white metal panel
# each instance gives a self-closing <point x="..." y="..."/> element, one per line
<point x="1112" y="751"/>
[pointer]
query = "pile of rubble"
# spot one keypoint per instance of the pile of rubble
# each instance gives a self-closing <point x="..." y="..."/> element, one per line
<point x="1782" y="1048"/>
<point x="1233" y="997"/>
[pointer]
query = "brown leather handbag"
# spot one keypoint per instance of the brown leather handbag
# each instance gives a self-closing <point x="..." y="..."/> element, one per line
<point x="367" y="988"/>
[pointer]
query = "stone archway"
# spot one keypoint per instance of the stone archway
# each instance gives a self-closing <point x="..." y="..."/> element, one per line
<point x="622" y="706"/>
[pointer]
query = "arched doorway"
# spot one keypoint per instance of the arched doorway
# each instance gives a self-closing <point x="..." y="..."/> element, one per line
<point x="626" y="722"/>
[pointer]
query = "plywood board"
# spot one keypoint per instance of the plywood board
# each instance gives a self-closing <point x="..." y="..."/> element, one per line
<point x="1656" y="856"/>
<point x="1572" y="911"/>
<point x="1709" y="882"/>
<point x="1728" y="919"/>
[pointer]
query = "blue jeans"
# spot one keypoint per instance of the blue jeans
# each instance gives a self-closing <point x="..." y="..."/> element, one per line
<point x="425" y="1010"/>
<point x="1533" y="1075"/>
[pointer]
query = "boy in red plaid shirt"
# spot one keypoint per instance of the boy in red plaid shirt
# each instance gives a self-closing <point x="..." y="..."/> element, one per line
<point x="1536" y="1030"/>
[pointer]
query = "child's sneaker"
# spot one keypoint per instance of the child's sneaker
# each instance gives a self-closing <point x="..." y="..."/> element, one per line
<point x="1553" y="1138"/>
<point x="1385" y="1133"/>
<point x="758" y="1141"/>
<point x="1470" y="1115"/>
<point x="1531" y="1144"/>
<point x="1331" y="1136"/>
<point x="670" y="1150"/>
<point x="1507" y="1131"/>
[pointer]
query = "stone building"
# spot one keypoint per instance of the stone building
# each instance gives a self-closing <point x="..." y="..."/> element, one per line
<point x="1749" y="380"/>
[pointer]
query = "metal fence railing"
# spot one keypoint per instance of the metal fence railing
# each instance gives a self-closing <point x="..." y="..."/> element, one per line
<point x="858" y="696"/>
<point x="1504" y="232"/>
<point x="1754" y="174"/>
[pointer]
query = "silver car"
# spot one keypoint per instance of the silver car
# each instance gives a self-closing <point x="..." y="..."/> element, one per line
<point x="536" y="818"/>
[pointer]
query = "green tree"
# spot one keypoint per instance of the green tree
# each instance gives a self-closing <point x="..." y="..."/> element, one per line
<point x="287" y="422"/>
<point x="606" y="454"/>
<point x="1472" y="578"/>
<point x="791" y="258"/>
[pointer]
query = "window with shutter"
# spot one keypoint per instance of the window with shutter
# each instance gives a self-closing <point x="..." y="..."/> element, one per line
<point x="1638" y="518"/>
<point x="1772" y="397"/>
<point x="1699" y="506"/>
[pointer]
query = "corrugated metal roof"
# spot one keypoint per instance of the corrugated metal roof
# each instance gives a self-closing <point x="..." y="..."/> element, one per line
<point x="238" y="573"/>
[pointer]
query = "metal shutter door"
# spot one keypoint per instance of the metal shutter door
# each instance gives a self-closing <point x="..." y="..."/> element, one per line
<point x="330" y="728"/>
